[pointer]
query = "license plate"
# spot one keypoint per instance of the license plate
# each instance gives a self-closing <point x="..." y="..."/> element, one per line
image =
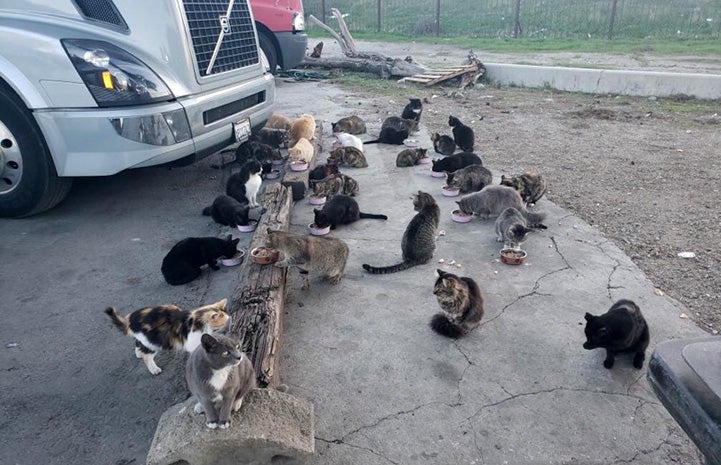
<point x="242" y="130"/>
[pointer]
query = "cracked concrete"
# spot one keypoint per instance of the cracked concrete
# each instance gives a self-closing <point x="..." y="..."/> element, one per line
<point x="520" y="389"/>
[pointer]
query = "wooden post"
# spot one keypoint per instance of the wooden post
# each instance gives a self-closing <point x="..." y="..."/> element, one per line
<point x="322" y="10"/>
<point x="612" y="20"/>
<point x="438" y="18"/>
<point x="517" y="19"/>
<point x="380" y="7"/>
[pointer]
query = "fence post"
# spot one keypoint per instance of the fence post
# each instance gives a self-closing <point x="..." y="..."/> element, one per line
<point x="516" y="19"/>
<point x="612" y="20"/>
<point x="322" y="10"/>
<point x="438" y="17"/>
<point x="380" y="6"/>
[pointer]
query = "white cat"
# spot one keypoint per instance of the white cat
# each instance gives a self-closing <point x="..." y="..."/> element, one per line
<point x="348" y="140"/>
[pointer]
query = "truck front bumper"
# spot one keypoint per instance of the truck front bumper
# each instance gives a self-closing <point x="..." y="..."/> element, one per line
<point x="292" y="48"/>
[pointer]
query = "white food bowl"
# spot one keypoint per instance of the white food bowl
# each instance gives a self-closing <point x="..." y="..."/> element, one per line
<point x="235" y="260"/>
<point x="424" y="160"/>
<point x="298" y="165"/>
<point x="318" y="231"/>
<point x="460" y="217"/>
<point x="315" y="200"/>
<point x="250" y="227"/>
<point x="438" y="174"/>
<point x="450" y="191"/>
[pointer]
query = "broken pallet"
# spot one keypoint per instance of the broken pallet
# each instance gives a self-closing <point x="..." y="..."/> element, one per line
<point x="434" y="76"/>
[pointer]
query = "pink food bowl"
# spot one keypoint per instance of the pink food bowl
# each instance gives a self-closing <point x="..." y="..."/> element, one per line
<point x="250" y="227"/>
<point x="438" y="174"/>
<point x="298" y="165"/>
<point x="315" y="200"/>
<point x="316" y="231"/>
<point x="234" y="261"/>
<point x="450" y="191"/>
<point x="274" y="174"/>
<point x="278" y="162"/>
<point x="460" y="217"/>
<point x="424" y="160"/>
<point x="412" y="143"/>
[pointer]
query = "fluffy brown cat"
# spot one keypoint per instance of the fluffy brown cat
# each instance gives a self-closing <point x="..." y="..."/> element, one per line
<point x="461" y="302"/>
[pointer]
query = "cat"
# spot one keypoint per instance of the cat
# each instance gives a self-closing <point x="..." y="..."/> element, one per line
<point x="512" y="228"/>
<point x="349" y="156"/>
<point x="302" y="150"/>
<point x="168" y="327"/>
<point x="413" y="110"/>
<point x="456" y="162"/>
<point x="472" y="178"/>
<point x="492" y="200"/>
<point x="462" y="134"/>
<point x="445" y="145"/>
<point x="303" y="127"/>
<point x="322" y="171"/>
<point x="621" y="329"/>
<point x="326" y="255"/>
<point x="335" y="184"/>
<point x="530" y="185"/>
<point x="243" y="186"/>
<point x="419" y="238"/>
<point x="219" y="375"/>
<point x="461" y="302"/>
<point x="395" y="130"/>
<point x="341" y="209"/>
<point x="254" y="150"/>
<point x="276" y="121"/>
<point x="273" y="137"/>
<point x="182" y="263"/>
<point x="227" y="211"/>
<point x="350" y="124"/>
<point x="347" y="140"/>
<point x="410" y="157"/>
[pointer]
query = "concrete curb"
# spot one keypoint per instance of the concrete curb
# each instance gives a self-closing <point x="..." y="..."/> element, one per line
<point x="602" y="81"/>
<point x="269" y="424"/>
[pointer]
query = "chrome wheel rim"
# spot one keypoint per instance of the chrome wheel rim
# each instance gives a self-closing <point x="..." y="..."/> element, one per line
<point x="11" y="161"/>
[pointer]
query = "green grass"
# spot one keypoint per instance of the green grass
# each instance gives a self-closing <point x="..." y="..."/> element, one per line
<point x="371" y="83"/>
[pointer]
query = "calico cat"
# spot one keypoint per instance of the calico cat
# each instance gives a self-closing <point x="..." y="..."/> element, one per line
<point x="182" y="263"/>
<point x="349" y="156"/>
<point x="348" y="140"/>
<point x="492" y="200"/>
<point x="227" y="211"/>
<point x="350" y="124"/>
<point x="461" y="302"/>
<point x="395" y="130"/>
<point x="472" y="178"/>
<point x="456" y="162"/>
<point x="168" y="327"/>
<point x="419" y="239"/>
<point x="326" y="255"/>
<point x="335" y="184"/>
<point x="243" y="186"/>
<point x="322" y="171"/>
<point x="530" y="185"/>
<point x="219" y="375"/>
<point x="413" y="110"/>
<point x="512" y="228"/>
<point x="302" y="150"/>
<point x="341" y="209"/>
<point x="303" y="127"/>
<point x="273" y="137"/>
<point x="276" y="121"/>
<point x="621" y="329"/>
<point x="462" y="134"/>
<point x="410" y="157"/>
<point x="445" y="145"/>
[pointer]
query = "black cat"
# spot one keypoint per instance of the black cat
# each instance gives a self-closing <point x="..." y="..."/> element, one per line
<point x="322" y="171"/>
<point x="621" y="329"/>
<point x="456" y="162"/>
<point x="395" y="130"/>
<point x="243" y="186"/>
<point x="227" y="211"/>
<point x="341" y="209"/>
<point x="413" y="109"/>
<point x="462" y="134"/>
<point x="182" y="264"/>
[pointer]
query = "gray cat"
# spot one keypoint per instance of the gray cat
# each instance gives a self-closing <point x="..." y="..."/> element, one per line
<point x="512" y="228"/>
<point x="410" y="157"/>
<point x="219" y="375"/>
<point x="472" y="178"/>
<point x="492" y="200"/>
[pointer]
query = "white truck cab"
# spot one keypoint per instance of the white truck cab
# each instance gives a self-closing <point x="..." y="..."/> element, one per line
<point x="94" y="87"/>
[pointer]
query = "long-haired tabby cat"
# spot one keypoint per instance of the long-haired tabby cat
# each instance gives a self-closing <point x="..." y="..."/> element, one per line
<point x="322" y="171"/>
<point x="303" y="127"/>
<point x="410" y="157"/>
<point x="182" y="263"/>
<point x="443" y="144"/>
<point x="492" y="200"/>
<point x="456" y="162"/>
<point x="413" y="109"/>
<point x="341" y="209"/>
<point x="326" y="255"/>
<point x="622" y="329"/>
<point x="335" y="184"/>
<point x="350" y="124"/>
<point x="462" y="134"/>
<point x="302" y="150"/>
<point x="472" y="178"/>
<point x="348" y="156"/>
<point x="512" y="228"/>
<point x="276" y="121"/>
<point x="419" y="238"/>
<point x="227" y="211"/>
<point x="168" y="327"/>
<point x="219" y="375"/>
<point x="530" y="185"/>
<point x="461" y="302"/>
<point x="243" y="186"/>
<point x="395" y="130"/>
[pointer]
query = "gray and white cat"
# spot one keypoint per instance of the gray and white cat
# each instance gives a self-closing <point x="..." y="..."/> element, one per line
<point x="219" y="375"/>
<point x="492" y="200"/>
<point x="512" y="228"/>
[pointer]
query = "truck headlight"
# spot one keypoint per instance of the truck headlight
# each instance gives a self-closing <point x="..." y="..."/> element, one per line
<point x="114" y="76"/>
<point x="298" y="22"/>
<point x="166" y="128"/>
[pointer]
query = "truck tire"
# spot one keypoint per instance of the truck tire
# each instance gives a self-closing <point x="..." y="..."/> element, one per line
<point x="266" y="45"/>
<point x="29" y="183"/>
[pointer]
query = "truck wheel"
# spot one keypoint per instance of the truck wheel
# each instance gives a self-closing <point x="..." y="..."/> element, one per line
<point x="266" y="45"/>
<point x="29" y="183"/>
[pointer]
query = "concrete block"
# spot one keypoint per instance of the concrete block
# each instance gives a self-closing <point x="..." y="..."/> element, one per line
<point x="269" y="424"/>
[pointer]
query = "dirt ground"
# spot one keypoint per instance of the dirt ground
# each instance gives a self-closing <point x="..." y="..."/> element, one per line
<point x="646" y="172"/>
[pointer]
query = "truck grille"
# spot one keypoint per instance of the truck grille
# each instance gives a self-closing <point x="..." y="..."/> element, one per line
<point x="207" y="20"/>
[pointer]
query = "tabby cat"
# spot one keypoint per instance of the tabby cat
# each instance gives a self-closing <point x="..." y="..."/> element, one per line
<point x="341" y="209"/>
<point x="322" y="171"/>
<point x="456" y="162"/>
<point x="350" y="124"/>
<point x="445" y="145"/>
<point x="492" y="200"/>
<point x="419" y="239"/>
<point x="413" y="109"/>
<point x="348" y="156"/>
<point x="219" y="375"/>
<point x="335" y="184"/>
<point x="182" y="263"/>
<point x="244" y="185"/>
<point x="227" y="211"/>
<point x="472" y="178"/>
<point x="276" y="121"/>
<point x="462" y="134"/>
<point x="512" y="228"/>
<point x="273" y="137"/>
<point x="530" y="185"/>
<point x="168" y="327"/>
<point x="622" y="329"/>
<point x="461" y="302"/>
<point x="410" y="157"/>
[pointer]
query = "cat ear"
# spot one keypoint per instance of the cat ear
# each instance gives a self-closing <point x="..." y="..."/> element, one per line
<point x="221" y="304"/>
<point x="228" y="238"/>
<point x="208" y="342"/>
<point x="588" y="316"/>
<point x="236" y="241"/>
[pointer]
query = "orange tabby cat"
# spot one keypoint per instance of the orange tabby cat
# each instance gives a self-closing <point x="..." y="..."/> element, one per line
<point x="302" y="150"/>
<point x="302" y="127"/>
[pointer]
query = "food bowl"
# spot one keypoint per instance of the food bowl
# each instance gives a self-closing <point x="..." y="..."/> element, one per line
<point x="513" y="256"/>
<point x="274" y="174"/>
<point x="460" y="216"/>
<point x="278" y="162"/>
<point x="250" y="227"/>
<point x="315" y="200"/>
<point x="264" y="256"/>
<point x="412" y="143"/>
<point x="235" y="260"/>
<point x="438" y="174"/>
<point x="450" y="191"/>
<point x="316" y="231"/>
<point x="297" y="165"/>
<point x="424" y="160"/>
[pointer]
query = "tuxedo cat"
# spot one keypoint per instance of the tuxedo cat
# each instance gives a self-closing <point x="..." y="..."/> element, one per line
<point x="413" y="109"/>
<point x="341" y="209"/>
<point x="395" y="130"/>
<point x="243" y="186"/>
<point x="182" y="264"/>
<point x="227" y="211"/>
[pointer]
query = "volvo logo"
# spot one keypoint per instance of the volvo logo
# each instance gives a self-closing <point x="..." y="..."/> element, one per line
<point x="224" y="24"/>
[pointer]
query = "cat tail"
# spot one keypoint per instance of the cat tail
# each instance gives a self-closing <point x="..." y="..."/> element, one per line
<point x="388" y="269"/>
<point x="206" y="211"/>
<point x="441" y="324"/>
<point x="376" y="141"/>
<point x="534" y="219"/>
<point x="120" y="322"/>
<point x="372" y="216"/>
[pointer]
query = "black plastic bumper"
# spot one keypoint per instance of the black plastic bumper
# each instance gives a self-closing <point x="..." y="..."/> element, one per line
<point x="292" y="48"/>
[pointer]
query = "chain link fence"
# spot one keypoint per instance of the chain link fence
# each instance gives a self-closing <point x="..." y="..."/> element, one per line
<point x="528" y="18"/>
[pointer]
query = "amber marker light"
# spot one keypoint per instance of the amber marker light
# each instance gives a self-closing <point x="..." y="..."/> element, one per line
<point x="107" y="80"/>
